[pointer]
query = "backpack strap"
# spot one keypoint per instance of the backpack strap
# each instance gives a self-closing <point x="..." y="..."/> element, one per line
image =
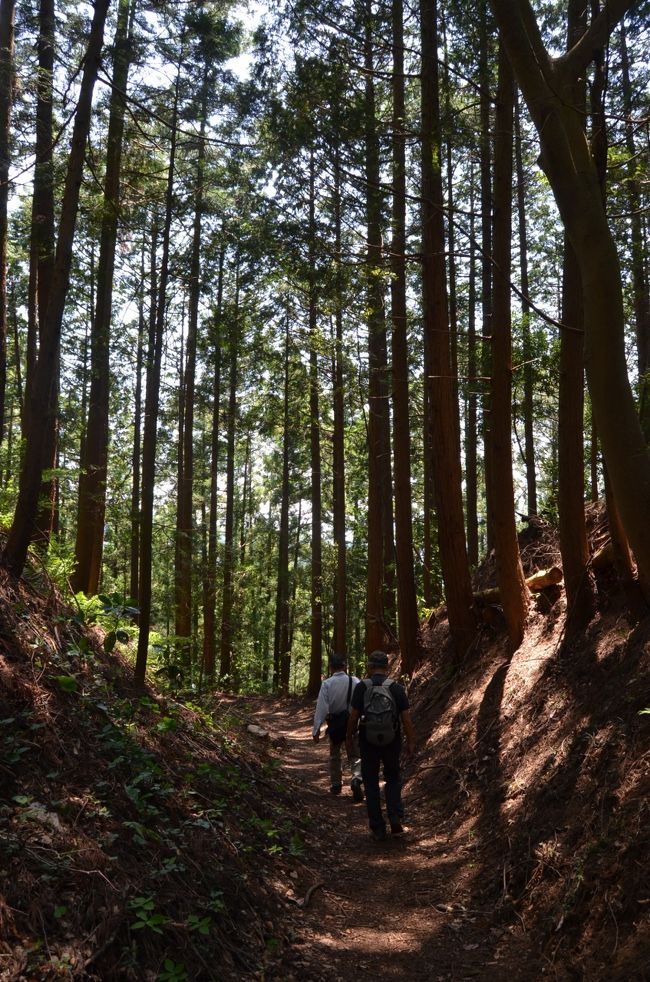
<point x="347" y="704"/>
<point x="368" y="685"/>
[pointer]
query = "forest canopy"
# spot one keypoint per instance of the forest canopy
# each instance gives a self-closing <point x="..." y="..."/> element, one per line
<point x="304" y="310"/>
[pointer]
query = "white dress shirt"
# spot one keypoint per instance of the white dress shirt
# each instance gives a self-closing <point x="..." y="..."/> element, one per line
<point x="333" y="697"/>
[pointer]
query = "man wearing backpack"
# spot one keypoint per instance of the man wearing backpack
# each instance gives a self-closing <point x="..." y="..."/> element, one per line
<point x="380" y="709"/>
<point x="333" y="707"/>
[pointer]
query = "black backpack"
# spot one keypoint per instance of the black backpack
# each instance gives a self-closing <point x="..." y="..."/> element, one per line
<point x="379" y="713"/>
<point x="337" y="723"/>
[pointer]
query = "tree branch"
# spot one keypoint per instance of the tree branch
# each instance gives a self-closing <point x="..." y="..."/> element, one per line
<point x="583" y="53"/>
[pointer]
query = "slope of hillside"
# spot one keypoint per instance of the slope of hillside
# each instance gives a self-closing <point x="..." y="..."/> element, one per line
<point x="143" y="839"/>
<point x="139" y="839"/>
<point x="537" y="766"/>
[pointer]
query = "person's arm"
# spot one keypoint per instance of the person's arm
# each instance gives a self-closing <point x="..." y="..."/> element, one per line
<point x="409" y="731"/>
<point x="322" y="709"/>
<point x="353" y="721"/>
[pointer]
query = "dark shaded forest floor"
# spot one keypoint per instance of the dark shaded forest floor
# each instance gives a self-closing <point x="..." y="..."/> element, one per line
<point x="145" y="839"/>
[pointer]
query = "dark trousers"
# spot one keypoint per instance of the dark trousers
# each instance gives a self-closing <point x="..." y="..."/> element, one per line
<point x="372" y="758"/>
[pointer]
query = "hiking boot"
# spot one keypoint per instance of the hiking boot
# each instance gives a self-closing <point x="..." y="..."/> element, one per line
<point x="357" y="788"/>
<point x="379" y="835"/>
<point x="335" y="789"/>
<point x="397" y="828"/>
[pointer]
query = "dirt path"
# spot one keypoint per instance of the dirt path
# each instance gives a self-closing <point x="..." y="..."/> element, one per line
<point x="395" y="910"/>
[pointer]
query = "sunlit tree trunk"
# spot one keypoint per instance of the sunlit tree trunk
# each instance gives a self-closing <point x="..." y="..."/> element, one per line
<point x="380" y="591"/>
<point x="406" y="600"/>
<point x="546" y="85"/>
<point x="528" y="408"/>
<point x="151" y="408"/>
<point x="510" y="575"/>
<point x="185" y="511"/>
<point x="94" y="459"/>
<point x="571" y="505"/>
<point x="485" y="164"/>
<point x="441" y="386"/>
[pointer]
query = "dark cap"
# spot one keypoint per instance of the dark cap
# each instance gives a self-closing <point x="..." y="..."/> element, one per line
<point x="337" y="661"/>
<point x="378" y="659"/>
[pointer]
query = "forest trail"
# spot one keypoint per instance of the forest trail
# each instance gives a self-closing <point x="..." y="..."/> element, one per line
<point x="396" y="910"/>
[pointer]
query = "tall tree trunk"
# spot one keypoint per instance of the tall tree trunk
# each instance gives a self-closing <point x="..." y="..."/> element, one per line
<point x="151" y="408"/>
<point x="512" y="584"/>
<point x="574" y="546"/>
<point x="94" y="459"/>
<point x="316" y="652"/>
<point x="380" y="592"/>
<point x="406" y="599"/>
<point x="599" y="151"/>
<point x="227" y="658"/>
<point x="546" y="86"/>
<point x="184" y="524"/>
<point x="441" y="388"/>
<point x="7" y="23"/>
<point x="209" y="607"/>
<point x="529" y="436"/>
<point x="640" y="288"/>
<point x="485" y="154"/>
<point x="136" y="454"/>
<point x="338" y="444"/>
<point x="281" y="653"/>
<point x="42" y="248"/>
<point x="39" y="403"/>
<point x="471" y="421"/>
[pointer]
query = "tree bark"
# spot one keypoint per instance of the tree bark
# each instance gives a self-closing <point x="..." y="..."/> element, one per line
<point x="281" y="651"/>
<point x="227" y="659"/>
<point x="91" y="507"/>
<point x="136" y="453"/>
<point x="573" y="533"/>
<point x="316" y="651"/>
<point x="42" y="248"/>
<point x="546" y="85"/>
<point x="471" y="419"/>
<point x="39" y="402"/>
<point x="185" y="512"/>
<point x="338" y="444"/>
<point x="380" y="589"/>
<point x="529" y="437"/>
<point x="7" y="25"/>
<point x="151" y="408"/>
<point x="485" y="164"/>
<point x="210" y="592"/>
<point x="640" y="289"/>
<point x="406" y="598"/>
<point x="444" y="412"/>
<point x="512" y="585"/>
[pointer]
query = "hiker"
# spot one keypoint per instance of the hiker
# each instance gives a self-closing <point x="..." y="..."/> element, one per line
<point x="332" y="707"/>
<point x="380" y="741"/>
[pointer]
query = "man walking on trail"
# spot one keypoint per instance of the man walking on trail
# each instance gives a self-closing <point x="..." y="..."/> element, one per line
<point x="332" y="707"/>
<point x="380" y="708"/>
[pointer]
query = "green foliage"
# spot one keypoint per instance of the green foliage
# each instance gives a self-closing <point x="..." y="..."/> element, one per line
<point x="172" y="971"/>
<point x="146" y="915"/>
<point x="67" y="682"/>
